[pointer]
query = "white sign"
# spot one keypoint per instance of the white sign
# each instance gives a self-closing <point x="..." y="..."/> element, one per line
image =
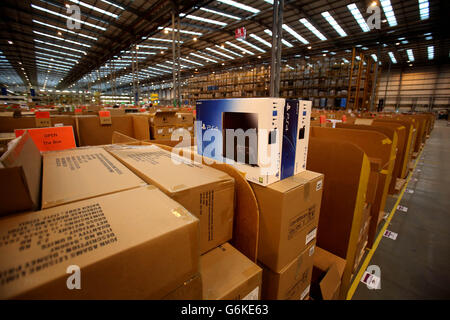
<point x="402" y="208"/>
<point x="390" y="235"/>
<point x="371" y="280"/>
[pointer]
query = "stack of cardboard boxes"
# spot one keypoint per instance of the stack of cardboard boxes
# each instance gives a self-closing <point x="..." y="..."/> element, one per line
<point x="163" y="122"/>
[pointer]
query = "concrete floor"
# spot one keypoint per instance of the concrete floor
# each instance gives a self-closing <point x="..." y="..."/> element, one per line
<point x="417" y="264"/>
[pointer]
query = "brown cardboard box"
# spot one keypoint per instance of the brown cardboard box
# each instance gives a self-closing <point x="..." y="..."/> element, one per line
<point x="327" y="274"/>
<point x="136" y="244"/>
<point x="229" y="275"/>
<point x="161" y="133"/>
<point x="206" y="192"/>
<point x="288" y="217"/>
<point x="293" y="281"/>
<point x="164" y="118"/>
<point x="190" y="290"/>
<point x="83" y="173"/>
<point x="91" y="133"/>
<point x="184" y="119"/>
<point x="20" y="176"/>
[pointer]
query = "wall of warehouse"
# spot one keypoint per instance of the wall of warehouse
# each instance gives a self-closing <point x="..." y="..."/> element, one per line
<point x="419" y="87"/>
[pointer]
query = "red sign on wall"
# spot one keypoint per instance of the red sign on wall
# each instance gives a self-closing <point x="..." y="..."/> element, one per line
<point x="240" y="33"/>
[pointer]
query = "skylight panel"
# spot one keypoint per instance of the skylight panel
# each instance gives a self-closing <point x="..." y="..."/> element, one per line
<point x="202" y="57"/>
<point x="239" y="5"/>
<point x="389" y="12"/>
<point x="334" y="24"/>
<point x="193" y="62"/>
<point x="220" y="13"/>
<point x="294" y="34"/>
<point x="229" y="51"/>
<point x="313" y="29"/>
<point x="358" y="17"/>
<point x="201" y="19"/>
<point x="220" y="53"/>
<point x="430" y="50"/>
<point x="286" y="43"/>
<point x="410" y="54"/>
<point x="65" y="30"/>
<point x="67" y="17"/>
<point x="391" y="55"/>
<point x="38" y="57"/>
<point x="53" y="55"/>
<point x="181" y="31"/>
<point x="163" y="40"/>
<point x="181" y="65"/>
<point x="251" y="45"/>
<point x="238" y="47"/>
<point x="254" y="36"/>
<point x="86" y="5"/>
<point x="61" y="39"/>
<point x="424" y="9"/>
<point x="112" y="4"/>
<point x="56" y="45"/>
<point x="163" y="66"/>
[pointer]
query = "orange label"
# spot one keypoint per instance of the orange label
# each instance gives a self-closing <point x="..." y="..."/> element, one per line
<point x="104" y="114"/>
<point x="42" y="114"/>
<point x="51" y="139"/>
<point x="78" y="110"/>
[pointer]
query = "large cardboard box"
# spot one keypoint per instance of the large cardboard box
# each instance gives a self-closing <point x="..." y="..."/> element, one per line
<point x="163" y="118"/>
<point x="288" y="217"/>
<point x="20" y="176"/>
<point x="206" y="192"/>
<point x="293" y="281"/>
<point x="229" y="275"/>
<point x="190" y="290"/>
<point x="90" y="132"/>
<point x="183" y="119"/>
<point x="327" y="274"/>
<point x="136" y="244"/>
<point x="83" y="173"/>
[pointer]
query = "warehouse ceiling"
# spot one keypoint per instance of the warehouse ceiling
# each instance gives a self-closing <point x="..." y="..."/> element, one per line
<point x="41" y="45"/>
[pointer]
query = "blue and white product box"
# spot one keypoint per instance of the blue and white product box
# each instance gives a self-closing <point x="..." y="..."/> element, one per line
<point x="243" y="132"/>
<point x="304" y="120"/>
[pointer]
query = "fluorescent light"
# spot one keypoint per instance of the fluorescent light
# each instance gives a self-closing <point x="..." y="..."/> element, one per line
<point x="181" y="65"/>
<point x="287" y="44"/>
<point x="189" y="16"/>
<point x="238" y="47"/>
<point x="389" y="12"/>
<point x="313" y="29"/>
<point x="53" y="60"/>
<point x="202" y="57"/>
<point x="163" y="40"/>
<point x="239" y="5"/>
<point x="56" y="45"/>
<point x="67" y="17"/>
<point x="430" y="50"/>
<point x="181" y="31"/>
<point x="112" y="4"/>
<point x="254" y="36"/>
<point x="65" y="30"/>
<point x="229" y="51"/>
<point x="251" y="45"/>
<point x="334" y="24"/>
<point x="410" y="54"/>
<point x="358" y="17"/>
<point x="424" y="9"/>
<point x="146" y="53"/>
<point x="153" y="47"/>
<point x="83" y="4"/>
<point x="345" y="60"/>
<point x="294" y="34"/>
<point x="193" y="62"/>
<point x="429" y="38"/>
<point x="220" y="13"/>
<point x="61" y="39"/>
<point x="220" y="53"/>
<point x="374" y="57"/>
<point x="53" y="55"/>
<point x="391" y="55"/>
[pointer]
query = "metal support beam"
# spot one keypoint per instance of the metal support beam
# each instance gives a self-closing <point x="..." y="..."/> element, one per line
<point x="375" y="82"/>
<point x="275" y="65"/>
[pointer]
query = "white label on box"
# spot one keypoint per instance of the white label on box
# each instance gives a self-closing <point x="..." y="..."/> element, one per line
<point x="160" y="130"/>
<point x="371" y="280"/>
<point x="253" y="295"/>
<point x="319" y="185"/>
<point x="311" y="251"/>
<point x="59" y="125"/>
<point x="310" y="236"/>
<point x="179" y="116"/>
<point x="305" y="292"/>
<point x="402" y="208"/>
<point x="390" y="235"/>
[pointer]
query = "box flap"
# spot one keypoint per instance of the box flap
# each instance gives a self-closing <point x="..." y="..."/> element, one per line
<point x="330" y="283"/>
<point x="287" y="184"/>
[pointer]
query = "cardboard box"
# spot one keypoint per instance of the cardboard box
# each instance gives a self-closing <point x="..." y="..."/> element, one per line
<point x="90" y="132"/>
<point x="161" y="133"/>
<point x="256" y="146"/>
<point x="293" y="281"/>
<point x="288" y="217"/>
<point x="229" y="275"/>
<point x="123" y="249"/>
<point x="206" y="192"/>
<point x="20" y="176"/>
<point x="83" y="173"/>
<point x="190" y="290"/>
<point x="163" y="118"/>
<point x="327" y="274"/>
<point x="184" y="119"/>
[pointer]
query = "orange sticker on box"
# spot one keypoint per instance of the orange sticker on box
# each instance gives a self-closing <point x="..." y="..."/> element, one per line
<point x="42" y="114"/>
<point x="78" y="110"/>
<point x="51" y="139"/>
<point x="104" y="114"/>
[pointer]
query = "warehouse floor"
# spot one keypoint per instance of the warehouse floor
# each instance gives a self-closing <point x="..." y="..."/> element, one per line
<point x="416" y="264"/>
